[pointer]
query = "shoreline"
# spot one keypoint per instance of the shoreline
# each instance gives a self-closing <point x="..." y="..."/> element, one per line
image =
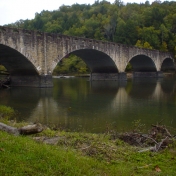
<point x="85" y="153"/>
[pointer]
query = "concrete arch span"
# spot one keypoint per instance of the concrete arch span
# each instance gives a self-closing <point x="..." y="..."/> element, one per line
<point x="153" y="67"/>
<point x="45" y="50"/>
<point x="22" y="71"/>
<point x="101" y="65"/>
<point x="167" y="65"/>
<point x="142" y="63"/>
<point x="15" y="62"/>
<point x="97" y="61"/>
<point x="143" y="66"/>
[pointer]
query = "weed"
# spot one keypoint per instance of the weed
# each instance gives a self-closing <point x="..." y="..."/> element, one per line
<point x="6" y="112"/>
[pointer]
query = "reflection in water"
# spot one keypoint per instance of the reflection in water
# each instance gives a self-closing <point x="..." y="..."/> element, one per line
<point x="24" y="100"/>
<point x="158" y="93"/>
<point x="168" y="85"/>
<point x="77" y="104"/>
<point x="141" y="88"/>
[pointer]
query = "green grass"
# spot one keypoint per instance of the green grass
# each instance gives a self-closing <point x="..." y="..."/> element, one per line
<point x="23" y="156"/>
<point x="6" y="112"/>
<point x="78" y="154"/>
<point x="20" y="155"/>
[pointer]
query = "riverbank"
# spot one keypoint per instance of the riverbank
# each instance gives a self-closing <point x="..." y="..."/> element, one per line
<point x="55" y="152"/>
<point x="58" y="152"/>
<point x="129" y="75"/>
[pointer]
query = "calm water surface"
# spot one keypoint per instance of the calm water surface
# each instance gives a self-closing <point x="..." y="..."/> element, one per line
<point x="79" y="105"/>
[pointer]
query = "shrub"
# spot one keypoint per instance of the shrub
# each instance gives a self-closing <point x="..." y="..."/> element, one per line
<point x="6" y="112"/>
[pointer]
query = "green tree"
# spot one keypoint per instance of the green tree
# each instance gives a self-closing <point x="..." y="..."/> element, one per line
<point x="53" y="27"/>
<point x="150" y="35"/>
<point x="147" y="45"/>
<point x="71" y="65"/>
<point x="139" y="44"/>
<point x="120" y="35"/>
<point x="143" y="45"/>
<point x="164" y="46"/>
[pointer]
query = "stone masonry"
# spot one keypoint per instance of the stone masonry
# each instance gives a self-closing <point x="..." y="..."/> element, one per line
<point x="31" y="56"/>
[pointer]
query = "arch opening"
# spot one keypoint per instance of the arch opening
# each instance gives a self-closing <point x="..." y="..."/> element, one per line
<point x="97" y="61"/>
<point x="15" y="62"/>
<point x="3" y="70"/>
<point x="71" y="65"/>
<point x="168" y="65"/>
<point x="4" y="77"/>
<point x="142" y="63"/>
<point x="21" y="71"/>
<point x="143" y="66"/>
<point x="101" y="66"/>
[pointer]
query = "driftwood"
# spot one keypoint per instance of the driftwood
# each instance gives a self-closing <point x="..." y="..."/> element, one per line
<point x="9" y="129"/>
<point x="26" y="130"/>
<point x="31" y="129"/>
<point x="157" y="139"/>
<point x="155" y="148"/>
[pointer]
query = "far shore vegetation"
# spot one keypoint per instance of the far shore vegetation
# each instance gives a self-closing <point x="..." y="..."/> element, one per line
<point x="78" y="153"/>
<point x="72" y="65"/>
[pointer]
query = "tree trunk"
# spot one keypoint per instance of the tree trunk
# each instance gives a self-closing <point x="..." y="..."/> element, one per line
<point x="9" y="129"/>
<point x="26" y="130"/>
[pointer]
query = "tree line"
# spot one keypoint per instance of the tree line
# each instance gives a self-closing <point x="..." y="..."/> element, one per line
<point x="144" y="25"/>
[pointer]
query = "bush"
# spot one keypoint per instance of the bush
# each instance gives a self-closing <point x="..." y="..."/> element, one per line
<point x="6" y="112"/>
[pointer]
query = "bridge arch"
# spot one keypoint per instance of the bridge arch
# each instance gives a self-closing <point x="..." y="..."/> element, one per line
<point x="44" y="50"/>
<point x="142" y="63"/>
<point x="15" y="62"/>
<point x="22" y="71"/>
<point x="97" y="61"/>
<point x="167" y="65"/>
<point x="101" y="65"/>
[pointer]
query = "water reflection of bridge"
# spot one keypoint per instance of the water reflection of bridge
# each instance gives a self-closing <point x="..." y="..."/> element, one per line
<point x="90" y="104"/>
<point x="118" y="100"/>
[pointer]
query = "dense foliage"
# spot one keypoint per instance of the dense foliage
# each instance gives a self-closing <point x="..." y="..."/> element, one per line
<point x="71" y="66"/>
<point x="144" y="25"/>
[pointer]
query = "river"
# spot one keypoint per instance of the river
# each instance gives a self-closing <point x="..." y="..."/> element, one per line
<point x="76" y="104"/>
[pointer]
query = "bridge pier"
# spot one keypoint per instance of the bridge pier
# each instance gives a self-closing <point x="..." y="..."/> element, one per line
<point x="157" y="74"/>
<point x="31" y="81"/>
<point x="108" y="76"/>
<point x="46" y="81"/>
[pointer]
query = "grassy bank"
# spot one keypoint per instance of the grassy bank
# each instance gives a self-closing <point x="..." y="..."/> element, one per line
<point x="79" y="154"/>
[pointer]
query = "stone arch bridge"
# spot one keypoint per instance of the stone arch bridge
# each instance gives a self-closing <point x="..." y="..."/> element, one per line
<point x="31" y="56"/>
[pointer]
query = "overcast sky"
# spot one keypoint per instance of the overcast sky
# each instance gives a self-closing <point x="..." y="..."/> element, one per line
<point x="14" y="10"/>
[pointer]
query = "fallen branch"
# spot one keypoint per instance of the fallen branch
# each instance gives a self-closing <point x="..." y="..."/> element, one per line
<point x="150" y="138"/>
<point x="31" y="129"/>
<point x="26" y="130"/>
<point x="161" y="129"/>
<point x="157" y="138"/>
<point x="9" y="129"/>
<point x="160" y="144"/>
